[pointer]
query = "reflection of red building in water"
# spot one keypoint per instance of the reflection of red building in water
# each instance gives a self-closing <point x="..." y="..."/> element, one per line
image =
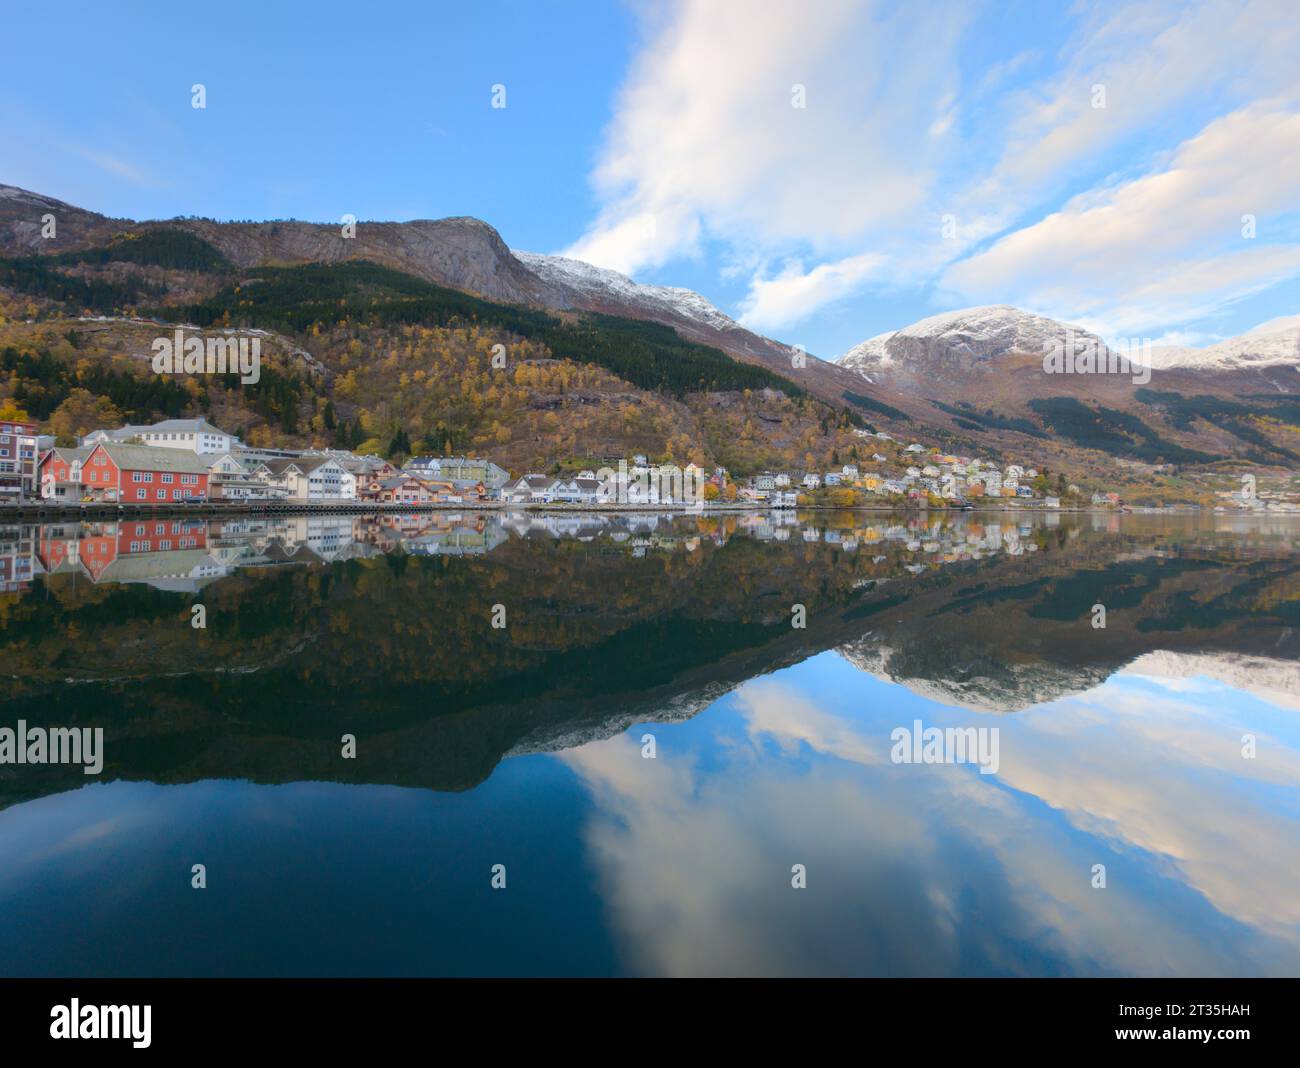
<point x="103" y="543"/>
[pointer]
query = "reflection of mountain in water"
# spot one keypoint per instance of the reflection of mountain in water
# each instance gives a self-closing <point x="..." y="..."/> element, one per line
<point x="382" y="628"/>
<point x="1274" y="680"/>
<point x="982" y="683"/>
<point x="1003" y="648"/>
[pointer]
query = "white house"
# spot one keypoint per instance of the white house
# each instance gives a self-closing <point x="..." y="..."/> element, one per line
<point x="309" y="478"/>
<point x="812" y="480"/>
<point x="196" y="435"/>
<point x="580" y="490"/>
<point x="229" y="480"/>
<point x="642" y="491"/>
<point x="530" y="489"/>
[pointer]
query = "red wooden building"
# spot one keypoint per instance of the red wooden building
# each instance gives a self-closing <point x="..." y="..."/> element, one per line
<point x="138" y="474"/>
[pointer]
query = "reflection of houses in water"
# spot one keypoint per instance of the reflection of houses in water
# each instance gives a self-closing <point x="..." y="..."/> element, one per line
<point x="185" y="554"/>
<point x="328" y="537"/>
<point x="456" y="536"/>
<point x="581" y="525"/>
<point x="18" y="559"/>
<point x="178" y="570"/>
<point x="170" y="554"/>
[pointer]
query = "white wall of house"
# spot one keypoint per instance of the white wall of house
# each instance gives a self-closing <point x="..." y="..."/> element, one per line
<point x="202" y="443"/>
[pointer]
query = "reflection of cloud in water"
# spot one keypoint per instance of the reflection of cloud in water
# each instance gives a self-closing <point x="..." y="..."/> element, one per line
<point x="1166" y="774"/>
<point x="936" y="869"/>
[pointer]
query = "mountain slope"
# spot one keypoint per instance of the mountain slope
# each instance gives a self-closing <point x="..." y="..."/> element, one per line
<point x="596" y="289"/>
<point x="961" y="342"/>
<point x="983" y="369"/>
<point x="460" y="253"/>
<point x="1275" y="344"/>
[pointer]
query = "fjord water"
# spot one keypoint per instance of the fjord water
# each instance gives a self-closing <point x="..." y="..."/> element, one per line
<point x="1163" y="746"/>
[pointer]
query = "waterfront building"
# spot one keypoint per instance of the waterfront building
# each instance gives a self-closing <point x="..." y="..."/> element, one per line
<point x="139" y="474"/>
<point x="193" y="435"/>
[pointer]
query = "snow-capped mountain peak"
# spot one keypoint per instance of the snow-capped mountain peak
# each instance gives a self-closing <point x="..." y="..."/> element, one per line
<point x="971" y="336"/>
<point x="968" y="336"/>
<point x="1275" y="343"/>
<point x="594" y="285"/>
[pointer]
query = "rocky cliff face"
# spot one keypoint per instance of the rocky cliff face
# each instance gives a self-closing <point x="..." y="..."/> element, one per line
<point x="582" y="285"/>
<point x="461" y="253"/>
<point x="22" y="215"/>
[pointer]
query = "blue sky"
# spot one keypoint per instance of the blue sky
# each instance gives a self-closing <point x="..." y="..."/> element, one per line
<point x="947" y="154"/>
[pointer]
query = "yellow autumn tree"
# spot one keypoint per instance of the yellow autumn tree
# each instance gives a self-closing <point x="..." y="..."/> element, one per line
<point x="11" y="413"/>
<point x="79" y="414"/>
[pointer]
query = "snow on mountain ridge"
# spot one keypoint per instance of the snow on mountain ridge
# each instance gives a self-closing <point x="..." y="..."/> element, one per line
<point x="972" y="334"/>
<point x="597" y="282"/>
<point x="1272" y="344"/>
<point x="994" y="330"/>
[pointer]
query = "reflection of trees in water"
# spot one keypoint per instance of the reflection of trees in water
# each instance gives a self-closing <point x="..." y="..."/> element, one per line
<point x="397" y="645"/>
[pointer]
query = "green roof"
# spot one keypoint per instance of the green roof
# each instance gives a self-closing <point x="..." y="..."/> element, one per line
<point x="146" y="458"/>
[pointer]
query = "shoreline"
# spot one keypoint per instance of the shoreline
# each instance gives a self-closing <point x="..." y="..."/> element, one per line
<point x="209" y="510"/>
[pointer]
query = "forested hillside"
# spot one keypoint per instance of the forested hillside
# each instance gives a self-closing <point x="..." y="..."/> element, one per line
<point x="360" y="356"/>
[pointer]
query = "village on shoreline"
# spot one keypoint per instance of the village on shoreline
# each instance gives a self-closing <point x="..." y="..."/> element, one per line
<point x="192" y="465"/>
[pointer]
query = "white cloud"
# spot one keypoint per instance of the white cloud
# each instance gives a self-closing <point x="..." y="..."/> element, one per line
<point x="1277" y="326"/>
<point x="1161" y="248"/>
<point x="116" y="166"/>
<point x="705" y="156"/>
<point x="705" y="138"/>
<point x="795" y="294"/>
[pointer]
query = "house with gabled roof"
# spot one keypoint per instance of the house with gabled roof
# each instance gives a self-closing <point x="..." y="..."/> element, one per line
<point x="530" y="489"/>
<point x="194" y="435"/>
<point x="309" y="478"/>
<point x="58" y="473"/>
<point x="139" y="474"/>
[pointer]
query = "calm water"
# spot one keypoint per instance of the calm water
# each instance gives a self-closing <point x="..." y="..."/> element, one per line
<point x="525" y="746"/>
